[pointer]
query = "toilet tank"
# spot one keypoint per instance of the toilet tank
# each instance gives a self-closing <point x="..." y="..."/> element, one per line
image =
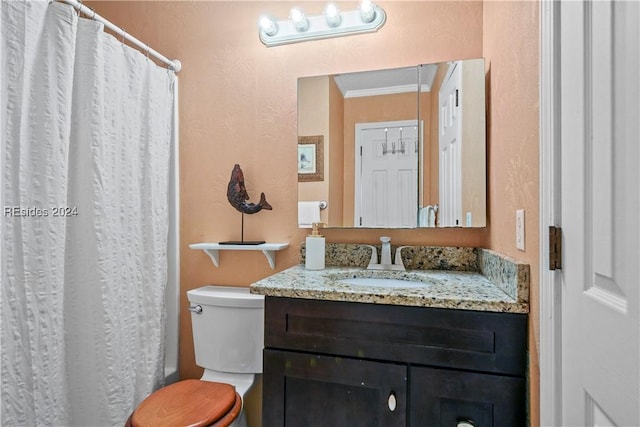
<point x="228" y="334"/>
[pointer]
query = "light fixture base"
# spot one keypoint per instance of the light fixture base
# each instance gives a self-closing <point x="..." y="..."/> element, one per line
<point x="351" y="23"/>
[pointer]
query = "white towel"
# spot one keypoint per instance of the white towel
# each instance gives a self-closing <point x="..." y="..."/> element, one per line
<point x="427" y="216"/>
<point x="308" y="213"/>
<point x="423" y="216"/>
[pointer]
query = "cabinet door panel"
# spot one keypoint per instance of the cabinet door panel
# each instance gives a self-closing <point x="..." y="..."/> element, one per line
<point x="440" y="397"/>
<point x="309" y="390"/>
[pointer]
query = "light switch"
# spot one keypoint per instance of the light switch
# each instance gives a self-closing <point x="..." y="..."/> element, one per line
<point x="520" y="229"/>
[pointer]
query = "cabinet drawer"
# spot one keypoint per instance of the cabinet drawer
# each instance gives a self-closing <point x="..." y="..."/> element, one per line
<point x="311" y="390"/>
<point x="473" y="340"/>
<point x="440" y="397"/>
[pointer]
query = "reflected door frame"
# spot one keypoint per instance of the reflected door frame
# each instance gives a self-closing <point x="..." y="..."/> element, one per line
<point x="450" y="147"/>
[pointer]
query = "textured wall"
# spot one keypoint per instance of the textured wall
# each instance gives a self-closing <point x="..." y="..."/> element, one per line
<point x="511" y="49"/>
<point x="238" y="105"/>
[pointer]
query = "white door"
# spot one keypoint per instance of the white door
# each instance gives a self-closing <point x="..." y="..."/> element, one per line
<point x="450" y="148"/>
<point x="386" y="175"/>
<point x="600" y="194"/>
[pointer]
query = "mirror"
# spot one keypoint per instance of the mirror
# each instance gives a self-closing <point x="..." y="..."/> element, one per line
<point x="396" y="148"/>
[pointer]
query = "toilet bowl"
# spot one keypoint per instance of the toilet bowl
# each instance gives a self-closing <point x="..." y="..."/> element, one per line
<point x="228" y="330"/>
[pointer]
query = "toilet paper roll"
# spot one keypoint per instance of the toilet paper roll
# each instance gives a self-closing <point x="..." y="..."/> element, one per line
<point x="308" y="213"/>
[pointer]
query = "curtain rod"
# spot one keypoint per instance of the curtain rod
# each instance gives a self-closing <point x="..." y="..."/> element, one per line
<point x="174" y="65"/>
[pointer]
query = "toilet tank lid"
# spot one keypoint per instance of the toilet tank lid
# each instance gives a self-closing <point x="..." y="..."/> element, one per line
<point x="225" y="296"/>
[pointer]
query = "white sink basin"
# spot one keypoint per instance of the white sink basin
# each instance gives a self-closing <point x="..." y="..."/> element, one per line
<point x="382" y="282"/>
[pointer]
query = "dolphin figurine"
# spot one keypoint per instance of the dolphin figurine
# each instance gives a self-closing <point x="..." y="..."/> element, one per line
<point x="237" y="194"/>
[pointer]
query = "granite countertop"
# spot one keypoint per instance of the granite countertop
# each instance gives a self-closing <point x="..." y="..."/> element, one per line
<point x="462" y="290"/>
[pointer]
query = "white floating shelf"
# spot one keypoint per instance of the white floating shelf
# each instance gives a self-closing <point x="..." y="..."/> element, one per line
<point x="213" y="250"/>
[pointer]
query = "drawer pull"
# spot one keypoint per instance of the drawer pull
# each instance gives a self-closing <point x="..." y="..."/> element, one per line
<point x="465" y="423"/>
<point x="392" y="402"/>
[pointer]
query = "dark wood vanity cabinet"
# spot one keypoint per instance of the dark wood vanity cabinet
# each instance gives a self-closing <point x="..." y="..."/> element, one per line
<point x="330" y="363"/>
<point x="307" y="390"/>
<point x="448" y="397"/>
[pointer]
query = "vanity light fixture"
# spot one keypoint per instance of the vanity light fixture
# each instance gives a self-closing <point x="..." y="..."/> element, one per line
<point x="299" y="20"/>
<point x="332" y="15"/>
<point x="268" y="25"/>
<point x="332" y="23"/>
<point x="367" y="11"/>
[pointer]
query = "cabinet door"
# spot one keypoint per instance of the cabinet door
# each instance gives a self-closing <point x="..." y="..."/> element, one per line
<point x="440" y="397"/>
<point x="310" y="390"/>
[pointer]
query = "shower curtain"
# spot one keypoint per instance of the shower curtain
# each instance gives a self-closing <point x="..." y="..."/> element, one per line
<point x="87" y="129"/>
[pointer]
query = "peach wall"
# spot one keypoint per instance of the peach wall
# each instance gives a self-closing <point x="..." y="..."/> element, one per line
<point x="511" y="50"/>
<point x="238" y="105"/>
<point x="434" y="132"/>
<point x="336" y="126"/>
<point x="426" y="116"/>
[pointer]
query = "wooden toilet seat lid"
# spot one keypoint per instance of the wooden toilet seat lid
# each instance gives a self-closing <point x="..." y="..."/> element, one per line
<point x="193" y="403"/>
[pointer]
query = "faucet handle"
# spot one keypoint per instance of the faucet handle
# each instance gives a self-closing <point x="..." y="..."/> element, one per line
<point x="397" y="259"/>
<point x="374" y="254"/>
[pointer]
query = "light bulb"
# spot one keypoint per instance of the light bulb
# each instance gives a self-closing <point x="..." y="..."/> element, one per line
<point x="299" y="20"/>
<point x="332" y="15"/>
<point x="268" y="25"/>
<point x="367" y="11"/>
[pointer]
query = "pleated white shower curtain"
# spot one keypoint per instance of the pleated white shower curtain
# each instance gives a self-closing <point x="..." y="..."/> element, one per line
<point x="87" y="129"/>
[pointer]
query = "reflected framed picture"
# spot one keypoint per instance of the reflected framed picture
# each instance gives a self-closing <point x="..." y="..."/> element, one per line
<point x="311" y="158"/>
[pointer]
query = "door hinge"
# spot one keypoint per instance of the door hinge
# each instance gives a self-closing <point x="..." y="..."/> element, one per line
<point x="555" y="248"/>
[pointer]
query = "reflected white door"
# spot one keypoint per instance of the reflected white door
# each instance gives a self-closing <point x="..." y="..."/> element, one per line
<point x="450" y="147"/>
<point x="600" y="194"/>
<point x="386" y="182"/>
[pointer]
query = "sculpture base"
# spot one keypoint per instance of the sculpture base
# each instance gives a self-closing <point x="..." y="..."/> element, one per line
<point x="242" y="242"/>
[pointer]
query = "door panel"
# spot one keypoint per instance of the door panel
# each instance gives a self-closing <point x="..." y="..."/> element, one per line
<point x="600" y="205"/>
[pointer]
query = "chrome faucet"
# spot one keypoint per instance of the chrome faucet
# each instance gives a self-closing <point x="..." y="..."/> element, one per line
<point x="385" y="257"/>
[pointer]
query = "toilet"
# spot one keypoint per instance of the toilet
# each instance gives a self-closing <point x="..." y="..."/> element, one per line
<point x="228" y="337"/>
